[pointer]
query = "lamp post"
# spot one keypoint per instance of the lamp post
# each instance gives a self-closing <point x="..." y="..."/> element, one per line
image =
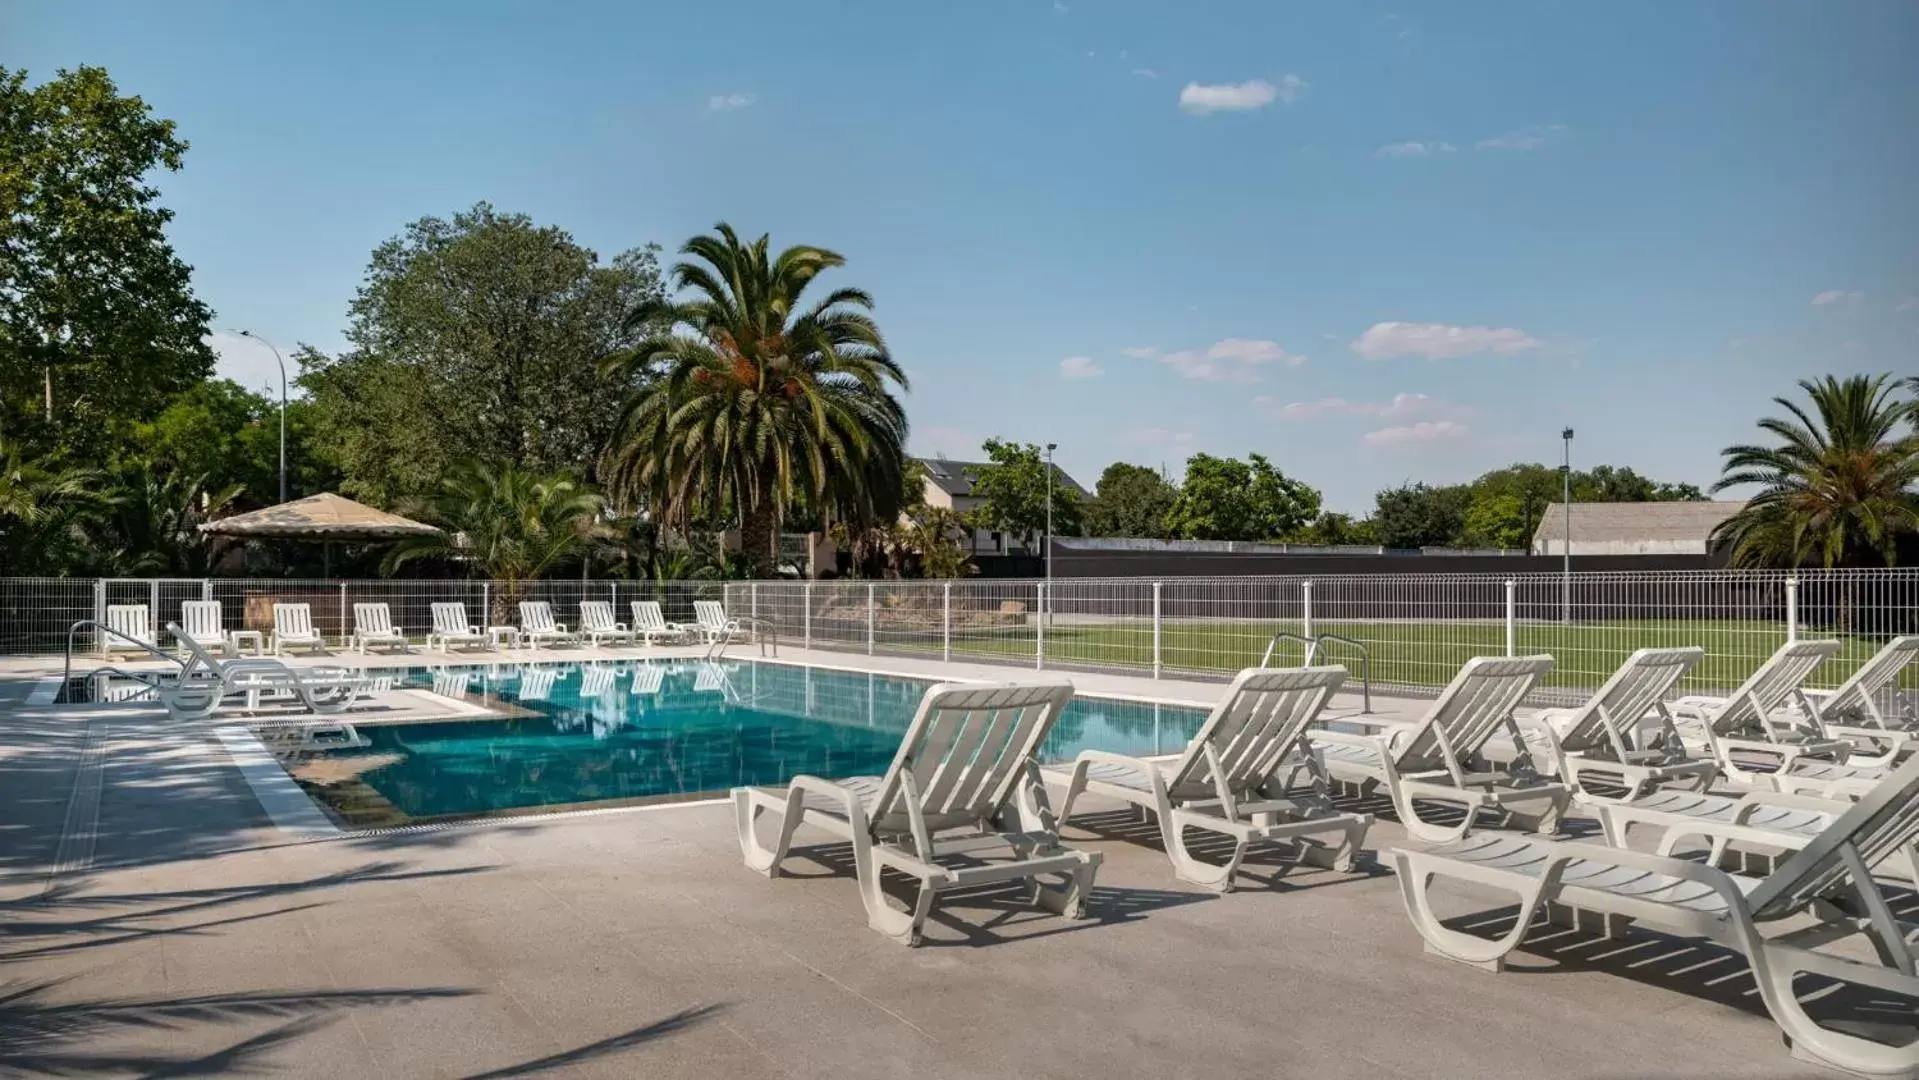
<point x="283" y="407"/>
<point x="1050" y="447"/>
<point x="1566" y="573"/>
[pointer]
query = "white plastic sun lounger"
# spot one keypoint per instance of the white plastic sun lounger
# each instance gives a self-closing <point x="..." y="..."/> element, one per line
<point x="128" y="621"/>
<point x="1746" y="733"/>
<point x="205" y="682"/>
<point x="536" y="684"/>
<point x="1601" y="741"/>
<point x="293" y="628"/>
<point x="711" y="623"/>
<point x="596" y="623"/>
<point x="965" y="784"/>
<point x="373" y="625"/>
<point x="1223" y="783"/>
<point x="537" y="625"/>
<point x="648" y="678"/>
<point x="651" y="624"/>
<point x="1763" y="819"/>
<point x="1440" y="758"/>
<point x="1689" y="900"/>
<point x="205" y="625"/>
<point x="450" y="628"/>
<point x="1852" y="711"/>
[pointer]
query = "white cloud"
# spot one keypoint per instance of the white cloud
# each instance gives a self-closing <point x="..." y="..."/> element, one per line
<point x="1401" y="406"/>
<point x="1201" y="98"/>
<point x="1146" y="73"/>
<point x="727" y="102"/>
<point x="250" y="363"/>
<point x="1141" y="352"/>
<point x="1079" y="367"/>
<point x="1531" y="137"/>
<point x="1059" y="7"/>
<point x="1228" y="360"/>
<point x="1422" y="432"/>
<point x="1834" y="296"/>
<point x="1437" y="340"/>
<point x="1910" y="303"/>
<point x="1414" y="148"/>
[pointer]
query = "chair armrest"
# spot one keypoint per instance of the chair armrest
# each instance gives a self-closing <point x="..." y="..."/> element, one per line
<point x="1759" y="798"/>
<point x="1381" y="743"/>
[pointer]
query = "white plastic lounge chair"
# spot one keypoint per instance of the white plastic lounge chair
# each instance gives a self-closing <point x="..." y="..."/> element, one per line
<point x="596" y="622"/>
<point x="1763" y="819"/>
<point x="965" y="783"/>
<point x="450" y="628"/>
<point x="373" y="625"/>
<point x="1439" y="758"/>
<point x="537" y="683"/>
<point x="1602" y="741"/>
<point x="1689" y="900"/>
<point x="1747" y="733"/>
<point x="206" y="681"/>
<point x="128" y="621"/>
<point x="293" y="628"/>
<point x="652" y="626"/>
<point x="1224" y="781"/>
<point x="711" y="623"/>
<point x="537" y="625"/>
<point x="648" y="678"/>
<point x="1852" y="711"/>
<point x="204" y="625"/>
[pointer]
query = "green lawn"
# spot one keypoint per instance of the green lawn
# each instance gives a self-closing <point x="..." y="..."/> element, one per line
<point x="1410" y="653"/>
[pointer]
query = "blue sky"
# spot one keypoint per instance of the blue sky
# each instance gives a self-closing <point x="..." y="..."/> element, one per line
<point x="1375" y="242"/>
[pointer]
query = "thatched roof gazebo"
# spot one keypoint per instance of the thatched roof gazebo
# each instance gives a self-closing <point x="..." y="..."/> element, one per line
<point x="325" y="517"/>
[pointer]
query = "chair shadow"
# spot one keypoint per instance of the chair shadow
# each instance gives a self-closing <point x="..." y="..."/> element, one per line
<point x="1279" y="861"/>
<point x="1697" y="969"/>
<point x="1006" y="912"/>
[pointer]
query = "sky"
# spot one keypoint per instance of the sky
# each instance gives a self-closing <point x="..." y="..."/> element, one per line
<point x="1377" y="243"/>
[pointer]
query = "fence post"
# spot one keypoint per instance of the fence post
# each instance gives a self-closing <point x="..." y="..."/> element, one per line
<point x="343" y="609"/>
<point x="1157" y="666"/>
<point x="1512" y="618"/>
<point x="1039" y="640"/>
<point x="870" y="609"/>
<point x="946" y="622"/>
<point x="486" y="602"/>
<point x="153" y="604"/>
<point x="753" y="600"/>
<point x="806" y="616"/>
<point x="1792" y="609"/>
<point x="100" y="613"/>
<point x="1306" y="610"/>
<point x="206" y="588"/>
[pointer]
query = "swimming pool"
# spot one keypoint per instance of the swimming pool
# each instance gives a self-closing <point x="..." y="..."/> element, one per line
<point x="592" y="733"/>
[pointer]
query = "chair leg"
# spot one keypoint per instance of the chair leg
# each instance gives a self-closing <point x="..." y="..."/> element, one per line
<point x="1190" y="869"/>
<point x="1415" y="881"/>
<point x="758" y="857"/>
<point x="1428" y="831"/>
<point x="1069" y="901"/>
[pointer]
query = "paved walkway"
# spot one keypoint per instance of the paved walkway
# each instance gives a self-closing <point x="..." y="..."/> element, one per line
<point x="154" y="922"/>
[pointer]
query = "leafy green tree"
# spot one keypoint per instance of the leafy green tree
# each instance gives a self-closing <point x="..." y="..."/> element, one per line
<point x="227" y="435"/>
<point x="98" y="322"/>
<point x="44" y="508"/>
<point x="477" y="338"/>
<point x="507" y="524"/>
<point x="1332" y="529"/>
<point x="750" y="398"/>
<point x="1130" y="501"/>
<point x="1012" y="490"/>
<point x="153" y="525"/>
<point x="1418" y="515"/>
<point x="1229" y="499"/>
<point x="932" y="533"/>
<point x="1836" y="486"/>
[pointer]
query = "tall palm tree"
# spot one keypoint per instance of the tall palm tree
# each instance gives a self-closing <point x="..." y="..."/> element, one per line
<point x="1832" y="491"/>
<point x="508" y="524"/>
<point x="749" y="399"/>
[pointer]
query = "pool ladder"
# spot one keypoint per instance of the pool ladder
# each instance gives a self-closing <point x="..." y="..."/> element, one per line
<point x="1312" y="653"/>
<point x="151" y="680"/>
<point x="765" y="630"/>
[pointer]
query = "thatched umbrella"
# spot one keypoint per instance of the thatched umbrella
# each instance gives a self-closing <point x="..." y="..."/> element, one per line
<point x="325" y="517"/>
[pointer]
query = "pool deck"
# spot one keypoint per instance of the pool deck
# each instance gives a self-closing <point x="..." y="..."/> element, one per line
<point x="156" y="921"/>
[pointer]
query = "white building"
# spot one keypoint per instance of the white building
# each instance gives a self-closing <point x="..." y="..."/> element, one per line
<point x="1636" y="528"/>
<point x="949" y="484"/>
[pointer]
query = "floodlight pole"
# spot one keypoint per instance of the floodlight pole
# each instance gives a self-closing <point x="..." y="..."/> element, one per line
<point x="1050" y="447"/>
<point x="1566" y="573"/>
<point x="283" y="407"/>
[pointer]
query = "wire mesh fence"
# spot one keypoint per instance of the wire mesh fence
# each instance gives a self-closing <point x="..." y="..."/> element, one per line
<point x="1412" y="630"/>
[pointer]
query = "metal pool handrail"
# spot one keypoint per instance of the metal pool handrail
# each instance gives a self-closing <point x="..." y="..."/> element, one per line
<point x="66" y="674"/>
<point x="1312" y="653"/>
<point x="770" y="631"/>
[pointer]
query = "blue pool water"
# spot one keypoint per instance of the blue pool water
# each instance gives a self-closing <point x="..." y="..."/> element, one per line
<point x="643" y="730"/>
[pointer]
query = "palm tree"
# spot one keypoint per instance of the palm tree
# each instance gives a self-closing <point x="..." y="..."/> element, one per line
<point x="749" y="399"/>
<point x="508" y="524"/>
<point x="1834" y="491"/>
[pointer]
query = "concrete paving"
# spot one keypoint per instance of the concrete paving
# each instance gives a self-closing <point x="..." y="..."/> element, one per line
<point x="154" y="921"/>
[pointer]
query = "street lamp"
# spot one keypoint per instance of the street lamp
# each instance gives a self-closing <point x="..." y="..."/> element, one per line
<point x="1566" y="573"/>
<point x="1050" y="447"/>
<point x="283" y="406"/>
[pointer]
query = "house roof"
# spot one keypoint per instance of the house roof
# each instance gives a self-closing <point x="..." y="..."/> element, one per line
<point x="1634" y="522"/>
<point x="951" y="476"/>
